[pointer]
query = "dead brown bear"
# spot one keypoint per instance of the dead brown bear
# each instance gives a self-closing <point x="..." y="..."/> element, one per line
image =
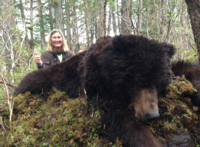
<point x="115" y="72"/>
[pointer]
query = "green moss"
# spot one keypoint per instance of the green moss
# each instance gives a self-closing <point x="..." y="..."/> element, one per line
<point x="177" y="112"/>
<point x="59" y="121"/>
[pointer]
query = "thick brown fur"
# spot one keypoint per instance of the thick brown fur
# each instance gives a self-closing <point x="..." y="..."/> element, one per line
<point x="114" y="72"/>
<point x="64" y="76"/>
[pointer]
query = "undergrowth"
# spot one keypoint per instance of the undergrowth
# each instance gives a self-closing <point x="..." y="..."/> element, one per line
<point x="57" y="122"/>
<point x="64" y="122"/>
<point x="179" y="117"/>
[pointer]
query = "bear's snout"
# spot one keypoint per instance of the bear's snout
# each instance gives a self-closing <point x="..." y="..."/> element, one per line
<point x="146" y="104"/>
<point x="152" y="115"/>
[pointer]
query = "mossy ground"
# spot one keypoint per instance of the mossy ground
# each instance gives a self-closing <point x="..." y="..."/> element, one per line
<point x="178" y="115"/>
<point x="64" y="122"/>
<point x="57" y="122"/>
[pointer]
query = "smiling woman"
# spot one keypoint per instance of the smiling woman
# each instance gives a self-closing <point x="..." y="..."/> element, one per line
<point x="57" y="40"/>
<point x="57" y="50"/>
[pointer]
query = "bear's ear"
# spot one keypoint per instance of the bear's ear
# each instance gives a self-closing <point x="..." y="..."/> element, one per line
<point x="119" y="43"/>
<point x="170" y="49"/>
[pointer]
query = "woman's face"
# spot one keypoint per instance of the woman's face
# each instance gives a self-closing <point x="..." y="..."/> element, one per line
<point x="57" y="40"/>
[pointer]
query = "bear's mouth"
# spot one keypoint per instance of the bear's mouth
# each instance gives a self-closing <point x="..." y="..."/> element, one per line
<point x="148" y="117"/>
<point x="152" y="115"/>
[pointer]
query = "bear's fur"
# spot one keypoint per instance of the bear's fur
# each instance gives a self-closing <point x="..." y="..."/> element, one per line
<point x="64" y="76"/>
<point x="115" y="72"/>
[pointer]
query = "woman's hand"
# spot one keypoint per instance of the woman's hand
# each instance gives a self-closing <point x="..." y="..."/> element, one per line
<point x="37" y="58"/>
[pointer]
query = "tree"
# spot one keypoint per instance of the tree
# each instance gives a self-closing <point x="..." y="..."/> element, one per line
<point x="100" y="19"/>
<point x="125" y="19"/>
<point x="161" y="19"/>
<point x="139" y="24"/>
<point x="42" y="30"/>
<point x="194" y="13"/>
<point x="50" y="14"/>
<point x="114" y="17"/>
<point x="31" y="25"/>
<point x="27" y="45"/>
<point x="68" y="25"/>
<point x="59" y="15"/>
<point x="8" y="37"/>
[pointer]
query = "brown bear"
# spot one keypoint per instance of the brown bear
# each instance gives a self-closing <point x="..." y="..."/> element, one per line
<point x="116" y="72"/>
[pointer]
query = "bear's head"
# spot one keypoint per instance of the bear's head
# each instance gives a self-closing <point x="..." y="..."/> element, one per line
<point x="126" y="70"/>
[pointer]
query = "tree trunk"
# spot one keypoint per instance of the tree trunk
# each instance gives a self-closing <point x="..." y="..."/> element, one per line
<point x="76" y="32"/>
<point x="104" y="18"/>
<point x="74" y="27"/>
<point x="31" y="25"/>
<point x="69" y="38"/>
<point x="118" y="17"/>
<point x="42" y="31"/>
<point x="139" y="24"/>
<point x="22" y="11"/>
<point x="59" y="15"/>
<point x="114" y="18"/>
<point x="86" y="24"/>
<point x="109" y="21"/>
<point x="194" y="13"/>
<point x="27" y="43"/>
<point x="125" y="20"/>
<point x="161" y="19"/>
<point x="100" y="19"/>
<point x="169" y="21"/>
<point x="147" y="22"/>
<point x="50" y="15"/>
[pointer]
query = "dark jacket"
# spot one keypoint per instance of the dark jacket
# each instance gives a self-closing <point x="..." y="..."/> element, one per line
<point x="48" y="60"/>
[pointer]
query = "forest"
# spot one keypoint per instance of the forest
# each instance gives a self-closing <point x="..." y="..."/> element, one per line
<point x="24" y="29"/>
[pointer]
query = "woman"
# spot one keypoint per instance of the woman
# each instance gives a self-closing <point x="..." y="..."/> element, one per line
<point x="56" y="52"/>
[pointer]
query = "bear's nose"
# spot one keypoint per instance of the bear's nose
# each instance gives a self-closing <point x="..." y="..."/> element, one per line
<point x="153" y="115"/>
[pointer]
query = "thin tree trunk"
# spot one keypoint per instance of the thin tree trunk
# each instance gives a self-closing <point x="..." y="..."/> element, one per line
<point x="92" y="34"/>
<point x="104" y="18"/>
<point x="76" y="30"/>
<point x="74" y="27"/>
<point x="22" y="10"/>
<point x="161" y="19"/>
<point x="118" y="18"/>
<point x="100" y="19"/>
<point x="125" y="20"/>
<point x="50" y="15"/>
<point x="147" y="22"/>
<point x="67" y="9"/>
<point x="31" y="25"/>
<point x="193" y="7"/>
<point x="169" y="21"/>
<point x="27" y="44"/>
<point x="42" y="31"/>
<point x="139" y="24"/>
<point x="114" y="18"/>
<point x="109" y="21"/>
<point x="95" y="27"/>
<point x="86" y="24"/>
<point x="59" y="15"/>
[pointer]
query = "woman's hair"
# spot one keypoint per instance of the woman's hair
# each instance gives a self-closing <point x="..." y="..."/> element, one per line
<point x="49" y="45"/>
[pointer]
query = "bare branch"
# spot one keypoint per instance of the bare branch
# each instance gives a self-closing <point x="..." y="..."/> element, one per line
<point x="3" y="128"/>
<point x="9" y="99"/>
<point x="9" y="84"/>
